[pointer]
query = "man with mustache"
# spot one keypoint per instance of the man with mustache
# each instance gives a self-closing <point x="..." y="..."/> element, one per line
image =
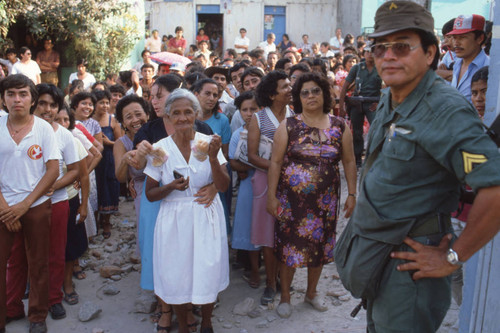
<point x="425" y="141"/>
<point x="468" y="37"/>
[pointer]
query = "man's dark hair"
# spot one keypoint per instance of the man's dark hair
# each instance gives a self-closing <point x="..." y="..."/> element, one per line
<point x="126" y="78"/>
<point x="10" y="50"/>
<point x="191" y="78"/>
<point x="256" y="53"/>
<point x="427" y="39"/>
<point x="268" y="87"/>
<point x="50" y="89"/>
<point x="303" y="67"/>
<point x="252" y="71"/>
<point x="448" y="27"/>
<point x="351" y="48"/>
<point x="232" y="52"/>
<point x="23" y="50"/>
<point x="144" y="52"/>
<point x="101" y="94"/>
<point x="179" y="28"/>
<point x="18" y="81"/>
<point x="236" y="68"/>
<point x="80" y="97"/>
<point x="148" y="66"/>
<point x="170" y="82"/>
<point x="478" y="34"/>
<point x="194" y="66"/>
<point x="99" y="83"/>
<point x="480" y="75"/>
<point x="197" y="87"/>
<point x="280" y="64"/>
<point x="127" y="100"/>
<point x="76" y="84"/>
<point x="243" y="97"/>
<point x="321" y="81"/>
<point x="349" y="57"/>
<point x="325" y="44"/>
<point x="323" y="65"/>
<point x="117" y="88"/>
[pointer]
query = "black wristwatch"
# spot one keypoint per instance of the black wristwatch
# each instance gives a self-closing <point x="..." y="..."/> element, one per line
<point x="452" y="258"/>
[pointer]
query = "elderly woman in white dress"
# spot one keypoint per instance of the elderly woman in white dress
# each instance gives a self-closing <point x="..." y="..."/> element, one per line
<point x="190" y="255"/>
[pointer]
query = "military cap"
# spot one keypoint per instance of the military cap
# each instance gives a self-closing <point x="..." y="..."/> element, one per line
<point x="395" y="16"/>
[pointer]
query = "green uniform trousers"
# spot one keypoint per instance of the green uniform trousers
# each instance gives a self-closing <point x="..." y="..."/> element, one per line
<point x="405" y="305"/>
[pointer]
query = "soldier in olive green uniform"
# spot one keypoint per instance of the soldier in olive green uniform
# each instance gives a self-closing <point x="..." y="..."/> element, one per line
<point x="426" y="140"/>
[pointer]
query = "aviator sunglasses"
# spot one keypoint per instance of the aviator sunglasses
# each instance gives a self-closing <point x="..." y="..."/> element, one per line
<point x="399" y="49"/>
<point x="316" y="91"/>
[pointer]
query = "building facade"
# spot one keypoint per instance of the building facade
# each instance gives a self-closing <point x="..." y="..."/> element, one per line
<point x="317" y="18"/>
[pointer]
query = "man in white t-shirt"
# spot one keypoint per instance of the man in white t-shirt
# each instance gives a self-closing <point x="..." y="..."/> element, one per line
<point x="28" y="169"/>
<point x="50" y="100"/>
<point x="268" y="45"/>
<point x="153" y="43"/>
<point x="337" y="41"/>
<point x="27" y="66"/>
<point x="242" y="43"/>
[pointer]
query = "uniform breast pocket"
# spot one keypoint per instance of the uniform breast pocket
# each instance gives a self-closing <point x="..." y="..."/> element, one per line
<point x="399" y="148"/>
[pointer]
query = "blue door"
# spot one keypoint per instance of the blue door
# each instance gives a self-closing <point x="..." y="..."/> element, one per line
<point x="275" y="21"/>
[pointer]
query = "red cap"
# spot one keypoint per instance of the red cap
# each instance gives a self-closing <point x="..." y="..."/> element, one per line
<point x="467" y="23"/>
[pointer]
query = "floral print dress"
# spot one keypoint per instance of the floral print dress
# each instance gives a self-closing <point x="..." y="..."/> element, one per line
<point x="309" y="193"/>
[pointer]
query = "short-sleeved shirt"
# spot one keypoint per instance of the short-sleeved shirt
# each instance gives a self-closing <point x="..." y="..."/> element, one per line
<point x="432" y="143"/>
<point x="23" y="166"/>
<point x="241" y="41"/>
<point x="174" y="42"/>
<point x="336" y="43"/>
<point x="69" y="154"/>
<point x="92" y="126"/>
<point x="88" y="80"/>
<point x="153" y="44"/>
<point x="29" y="69"/>
<point x="83" y="138"/>
<point x="370" y="81"/>
<point x="449" y="58"/>
<point x="82" y="153"/>
<point x="463" y="86"/>
<point x="220" y="125"/>
<point x="154" y="130"/>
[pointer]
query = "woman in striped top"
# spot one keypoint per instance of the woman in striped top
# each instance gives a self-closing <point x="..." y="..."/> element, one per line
<point x="274" y="93"/>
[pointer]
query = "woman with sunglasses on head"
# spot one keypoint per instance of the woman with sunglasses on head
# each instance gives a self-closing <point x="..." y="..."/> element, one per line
<point x="304" y="186"/>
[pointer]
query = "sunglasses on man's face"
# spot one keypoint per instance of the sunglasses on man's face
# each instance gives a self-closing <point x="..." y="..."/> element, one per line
<point x="399" y="49"/>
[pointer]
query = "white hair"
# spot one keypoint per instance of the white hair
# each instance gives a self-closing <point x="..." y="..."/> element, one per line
<point x="180" y="93"/>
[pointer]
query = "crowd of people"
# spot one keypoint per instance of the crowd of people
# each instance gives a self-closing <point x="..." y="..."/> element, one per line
<point x="271" y="124"/>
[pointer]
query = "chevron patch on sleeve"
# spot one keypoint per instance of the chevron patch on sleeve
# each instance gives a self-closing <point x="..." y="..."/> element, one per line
<point x="472" y="160"/>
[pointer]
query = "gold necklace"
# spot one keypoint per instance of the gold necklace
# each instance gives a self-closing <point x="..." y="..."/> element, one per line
<point x="16" y="132"/>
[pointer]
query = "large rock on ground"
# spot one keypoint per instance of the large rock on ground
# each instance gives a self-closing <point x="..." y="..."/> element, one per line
<point x="145" y="303"/>
<point x="88" y="311"/>
<point x="244" y="307"/>
<point x="108" y="271"/>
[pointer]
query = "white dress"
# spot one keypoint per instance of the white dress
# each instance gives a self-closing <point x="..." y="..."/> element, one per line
<point x="190" y="253"/>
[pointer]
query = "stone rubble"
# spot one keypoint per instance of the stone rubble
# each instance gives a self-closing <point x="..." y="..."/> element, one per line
<point x="88" y="311"/>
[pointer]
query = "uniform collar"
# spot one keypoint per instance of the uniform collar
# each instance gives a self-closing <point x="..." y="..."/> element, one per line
<point x="411" y="101"/>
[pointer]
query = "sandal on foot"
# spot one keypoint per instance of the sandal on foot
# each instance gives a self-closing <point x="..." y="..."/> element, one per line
<point x="79" y="275"/>
<point x="160" y="328"/>
<point x="316" y="303"/>
<point x="71" y="298"/>
<point x="106" y="234"/>
<point x="253" y="284"/>
<point x="193" y="326"/>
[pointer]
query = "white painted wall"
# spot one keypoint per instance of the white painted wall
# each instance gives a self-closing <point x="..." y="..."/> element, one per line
<point x="318" y="18"/>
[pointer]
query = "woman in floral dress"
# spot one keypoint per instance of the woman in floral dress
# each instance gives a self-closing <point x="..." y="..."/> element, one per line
<point x="304" y="186"/>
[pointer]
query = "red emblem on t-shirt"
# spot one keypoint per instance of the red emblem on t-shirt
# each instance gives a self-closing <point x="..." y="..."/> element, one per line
<point x="35" y="152"/>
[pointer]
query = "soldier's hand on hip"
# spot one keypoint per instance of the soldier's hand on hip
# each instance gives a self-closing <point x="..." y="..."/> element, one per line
<point x="426" y="261"/>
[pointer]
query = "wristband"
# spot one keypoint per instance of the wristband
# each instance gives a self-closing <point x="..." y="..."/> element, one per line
<point x="352" y="195"/>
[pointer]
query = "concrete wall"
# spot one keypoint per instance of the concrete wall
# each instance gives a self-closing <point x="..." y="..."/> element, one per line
<point x="349" y="17"/>
<point x="318" y="18"/>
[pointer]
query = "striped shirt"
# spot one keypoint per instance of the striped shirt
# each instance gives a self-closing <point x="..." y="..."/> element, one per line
<point x="268" y="123"/>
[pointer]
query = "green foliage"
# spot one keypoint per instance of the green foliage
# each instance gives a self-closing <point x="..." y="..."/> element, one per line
<point x="100" y="31"/>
